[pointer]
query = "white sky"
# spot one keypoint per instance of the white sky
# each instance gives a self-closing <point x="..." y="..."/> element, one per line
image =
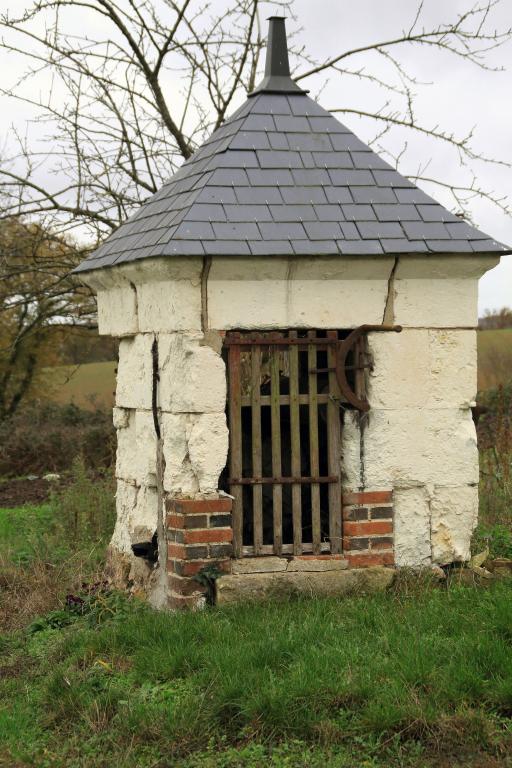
<point x="461" y="96"/>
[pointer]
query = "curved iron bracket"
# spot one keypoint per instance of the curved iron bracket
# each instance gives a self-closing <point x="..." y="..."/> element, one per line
<point x="342" y="350"/>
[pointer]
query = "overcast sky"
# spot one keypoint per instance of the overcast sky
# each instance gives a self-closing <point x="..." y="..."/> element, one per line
<point x="461" y="97"/>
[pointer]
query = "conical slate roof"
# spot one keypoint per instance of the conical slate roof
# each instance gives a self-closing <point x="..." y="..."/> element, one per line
<point x="282" y="176"/>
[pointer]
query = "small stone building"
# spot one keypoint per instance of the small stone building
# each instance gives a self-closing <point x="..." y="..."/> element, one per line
<point x="297" y="363"/>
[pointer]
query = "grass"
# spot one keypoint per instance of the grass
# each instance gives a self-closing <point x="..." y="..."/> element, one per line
<point x="88" y="385"/>
<point x="494" y="357"/>
<point x="381" y="680"/>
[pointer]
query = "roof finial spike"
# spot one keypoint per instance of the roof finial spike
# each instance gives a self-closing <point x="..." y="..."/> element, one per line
<point x="277" y="77"/>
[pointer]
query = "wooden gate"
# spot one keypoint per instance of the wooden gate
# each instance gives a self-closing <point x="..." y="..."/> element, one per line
<point x="285" y="436"/>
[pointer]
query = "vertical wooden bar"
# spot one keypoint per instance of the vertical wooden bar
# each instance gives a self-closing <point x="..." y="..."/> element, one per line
<point x="295" y="445"/>
<point x="257" y="490"/>
<point x="313" y="445"/>
<point x="235" y="443"/>
<point x="334" y="450"/>
<point x="277" y="490"/>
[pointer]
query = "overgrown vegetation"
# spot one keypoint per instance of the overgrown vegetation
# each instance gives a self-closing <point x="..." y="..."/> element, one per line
<point x="53" y="549"/>
<point x="49" y="437"/>
<point x="377" y="681"/>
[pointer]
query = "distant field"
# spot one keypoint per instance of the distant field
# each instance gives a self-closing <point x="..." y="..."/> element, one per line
<point x="85" y="385"/>
<point x="94" y="383"/>
<point x="494" y="358"/>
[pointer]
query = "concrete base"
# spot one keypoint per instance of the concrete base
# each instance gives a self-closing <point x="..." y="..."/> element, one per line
<point x="235" y="588"/>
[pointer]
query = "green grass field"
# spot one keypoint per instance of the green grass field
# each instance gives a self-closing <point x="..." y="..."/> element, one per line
<point x="88" y="385"/>
<point x="494" y="358"/>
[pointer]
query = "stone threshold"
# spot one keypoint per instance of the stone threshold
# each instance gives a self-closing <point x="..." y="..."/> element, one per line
<point x="338" y="581"/>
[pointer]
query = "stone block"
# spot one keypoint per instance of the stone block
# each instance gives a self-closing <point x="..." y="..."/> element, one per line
<point x="320" y="292"/>
<point x="423" y="369"/>
<point x="169" y="305"/>
<point x="312" y="565"/>
<point x="454" y="517"/>
<point x="135" y="372"/>
<point x="259" y="565"/>
<point x="412" y="527"/>
<point x="208" y="449"/>
<point x="193" y="376"/>
<point x="410" y="447"/>
<point x="121" y="417"/>
<point x="179" y="475"/>
<point x="136" y="449"/>
<point x="137" y="511"/>
<point x="117" y="311"/>
<point x="336" y="583"/>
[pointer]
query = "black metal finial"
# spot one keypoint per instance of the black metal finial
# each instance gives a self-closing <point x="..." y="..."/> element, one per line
<point x="277" y="67"/>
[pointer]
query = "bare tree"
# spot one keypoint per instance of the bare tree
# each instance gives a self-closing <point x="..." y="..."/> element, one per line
<point x="130" y="102"/>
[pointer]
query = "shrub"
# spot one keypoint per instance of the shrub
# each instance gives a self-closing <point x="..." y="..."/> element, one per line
<point x="48" y="437"/>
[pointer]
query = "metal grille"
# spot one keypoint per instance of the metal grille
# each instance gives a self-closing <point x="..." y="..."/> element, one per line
<point x="285" y="435"/>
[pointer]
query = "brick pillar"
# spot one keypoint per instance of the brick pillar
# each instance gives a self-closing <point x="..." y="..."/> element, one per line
<point x="199" y="536"/>
<point x="368" y="528"/>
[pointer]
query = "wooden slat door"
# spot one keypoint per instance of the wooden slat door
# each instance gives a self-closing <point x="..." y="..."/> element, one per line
<point x="285" y="442"/>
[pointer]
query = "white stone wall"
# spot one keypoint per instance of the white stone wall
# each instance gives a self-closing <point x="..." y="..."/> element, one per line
<point x="418" y="439"/>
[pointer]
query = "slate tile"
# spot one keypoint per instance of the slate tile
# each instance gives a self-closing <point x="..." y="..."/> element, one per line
<point x="300" y="195"/>
<point x="350" y="231"/>
<point x="347" y="141"/>
<point x="373" y="195"/>
<point x="258" y="195"/>
<point x="216" y="195"/>
<point x="488" y="246"/>
<point x="338" y="195"/>
<point x="310" y="177"/>
<point x="402" y="245"/>
<point x="414" y="195"/>
<point x="279" y="177"/>
<point x="243" y="230"/>
<point x="333" y="160"/>
<point x="391" y="179"/>
<point x="237" y="158"/>
<point x="259" y="123"/>
<point x="307" y="160"/>
<point x="323" y="230"/>
<point x="358" y="212"/>
<point x="397" y="212"/>
<point x="326" y="124"/>
<point x="195" y="230"/>
<point x="231" y="177"/>
<point x="288" y="231"/>
<point x="329" y="212"/>
<point x="379" y="229"/>
<point x="274" y="247"/>
<point x="423" y="230"/>
<point x="449" y="246"/>
<point x="251" y="140"/>
<point x="348" y="178"/>
<point x="273" y="103"/>
<point x="226" y="248"/>
<point x="293" y="213"/>
<point x="360" y="247"/>
<point x="460" y="230"/>
<point x="291" y="123"/>
<point x="302" y="105"/>
<point x="314" y="247"/>
<point x="369" y="160"/>
<point x="184" y="248"/>
<point x="435" y="212"/>
<point x="278" y="141"/>
<point x="206" y="212"/>
<point x="279" y="159"/>
<point x="247" y="213"/>
<point x="310" y="142"/>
